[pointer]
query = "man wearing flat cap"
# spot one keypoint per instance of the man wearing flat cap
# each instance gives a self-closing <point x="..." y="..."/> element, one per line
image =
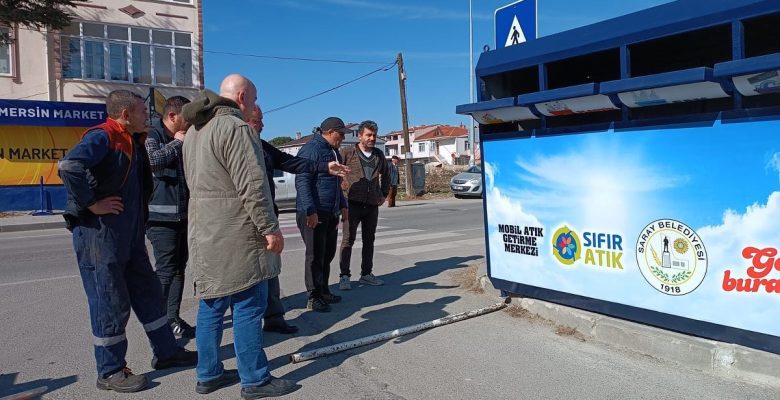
<point x="320" y="206"/>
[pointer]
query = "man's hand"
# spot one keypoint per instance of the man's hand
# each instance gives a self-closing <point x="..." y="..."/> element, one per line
<point x="108" y="205"/>
<point x="275" y="242"/>
<point x="312" y="221"/>
<point x="383" y="200"/>
<point x="180" y="135"/>
<point x="344" y="214"/>
<point x="338" y="169"/>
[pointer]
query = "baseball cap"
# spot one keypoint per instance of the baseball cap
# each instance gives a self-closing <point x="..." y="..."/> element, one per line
<point x="334" y="123"/>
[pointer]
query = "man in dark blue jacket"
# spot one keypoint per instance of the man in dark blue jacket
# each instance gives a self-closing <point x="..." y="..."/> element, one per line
<point x="167" y="226"/>
<point x="318" y="203"/>
<point x="276" y="159"/>
<point x="108" y="182"/>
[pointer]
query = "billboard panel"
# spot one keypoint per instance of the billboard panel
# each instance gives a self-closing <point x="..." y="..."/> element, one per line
<point x="29" y="152"/>
<point x="677" y="221"/>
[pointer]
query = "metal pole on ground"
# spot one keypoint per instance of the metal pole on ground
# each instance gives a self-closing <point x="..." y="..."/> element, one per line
<point x="336" y="348"/>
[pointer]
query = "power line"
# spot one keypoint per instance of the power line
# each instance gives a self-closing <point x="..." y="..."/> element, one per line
<point x="292" y="58"/>
<point x="384" y="68"/>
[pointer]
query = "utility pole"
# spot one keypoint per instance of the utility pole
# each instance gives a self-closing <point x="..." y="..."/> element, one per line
<point x="405" y="122"/>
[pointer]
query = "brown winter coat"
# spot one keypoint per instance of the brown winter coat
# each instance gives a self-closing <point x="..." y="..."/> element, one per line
<point x="355" y="185"/>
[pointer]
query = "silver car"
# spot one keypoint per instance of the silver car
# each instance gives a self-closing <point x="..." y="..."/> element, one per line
<point x="285" y="189"/>
<point x="468" y="183"/>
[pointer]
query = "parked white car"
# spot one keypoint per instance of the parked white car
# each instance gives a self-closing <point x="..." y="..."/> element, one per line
<point x="467" y="183"/>
<point x="285" y="189"/>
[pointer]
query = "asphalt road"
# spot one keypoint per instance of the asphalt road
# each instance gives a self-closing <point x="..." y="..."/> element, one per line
<point x="421" y="247"/>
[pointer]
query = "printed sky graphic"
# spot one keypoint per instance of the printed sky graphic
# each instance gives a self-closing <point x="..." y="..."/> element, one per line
<point x="618" y="182"/>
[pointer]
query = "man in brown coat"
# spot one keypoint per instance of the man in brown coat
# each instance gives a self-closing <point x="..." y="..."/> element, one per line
<point x="366" y="187"/>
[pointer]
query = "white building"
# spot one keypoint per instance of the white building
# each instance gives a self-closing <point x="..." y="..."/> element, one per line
<point x="111" y="44"/>
<point x="431" y="143"/>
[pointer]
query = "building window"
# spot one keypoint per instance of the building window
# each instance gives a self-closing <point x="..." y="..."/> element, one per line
<point x="5" y="50"/>
<point x="468" y="145"/>
<point x="119" y="53"/>
<point x="421" y="147"/>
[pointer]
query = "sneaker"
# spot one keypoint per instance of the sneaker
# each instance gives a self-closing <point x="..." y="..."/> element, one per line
<point x="182" y="329"/>
<point x="228" y="377"/>
<point x="182" y="358"/>
<point x="317" y="304"/>
<point x="344" y="283"/>
<point x="123" y="381"/>
<point x="370" y="279"/>
<point x="331" y="298"/>
<point x="273" y="388"/>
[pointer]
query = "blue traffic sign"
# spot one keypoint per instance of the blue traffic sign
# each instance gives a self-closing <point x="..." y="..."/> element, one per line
<point x="516" y="23"/>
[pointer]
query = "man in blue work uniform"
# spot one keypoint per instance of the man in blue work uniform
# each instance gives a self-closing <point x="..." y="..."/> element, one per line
<point x="108" y="182"/>
<point x="277" y="159"/>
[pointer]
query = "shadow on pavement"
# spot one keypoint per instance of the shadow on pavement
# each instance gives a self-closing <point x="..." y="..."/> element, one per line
<point x="7" y="387"/>
<point x="361" y="296"/>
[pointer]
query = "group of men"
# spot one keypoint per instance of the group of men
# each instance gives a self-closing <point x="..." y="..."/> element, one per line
<point x="198" y="183"/>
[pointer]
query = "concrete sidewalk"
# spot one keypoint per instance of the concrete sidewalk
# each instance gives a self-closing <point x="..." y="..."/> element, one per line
<point x="720" y="359"/>
<point x="25" y="221"/>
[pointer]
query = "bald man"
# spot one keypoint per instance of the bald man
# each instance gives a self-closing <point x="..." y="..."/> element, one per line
<point x="234" y="237"/>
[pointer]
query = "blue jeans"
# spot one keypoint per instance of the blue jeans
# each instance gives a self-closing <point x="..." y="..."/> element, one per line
<point x="247" y="309"/>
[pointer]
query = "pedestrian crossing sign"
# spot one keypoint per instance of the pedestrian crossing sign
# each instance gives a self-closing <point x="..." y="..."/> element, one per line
<point x="516" y="23"/>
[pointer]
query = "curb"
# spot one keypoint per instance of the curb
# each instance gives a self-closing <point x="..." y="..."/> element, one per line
<point x="720" y="359"/>
<point x="31" y="227"/>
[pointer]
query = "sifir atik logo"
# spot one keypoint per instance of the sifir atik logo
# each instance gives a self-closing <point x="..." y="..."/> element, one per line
<point x="600" y="249"/>
<point x="763" y="261"/>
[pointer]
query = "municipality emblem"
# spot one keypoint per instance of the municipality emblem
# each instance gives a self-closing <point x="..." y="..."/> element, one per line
<point x="671" y="257"/>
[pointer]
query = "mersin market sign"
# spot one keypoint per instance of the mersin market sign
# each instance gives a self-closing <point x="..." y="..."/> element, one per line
<point x="51" y="113"/>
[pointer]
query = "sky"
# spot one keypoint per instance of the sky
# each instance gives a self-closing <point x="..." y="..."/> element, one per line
<point x="433" y="36"/>
<point x="619" y="183"/>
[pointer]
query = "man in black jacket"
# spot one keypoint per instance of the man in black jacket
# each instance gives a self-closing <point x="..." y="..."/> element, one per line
<point x="167" y="226"/>
<point x="277" y="159"/>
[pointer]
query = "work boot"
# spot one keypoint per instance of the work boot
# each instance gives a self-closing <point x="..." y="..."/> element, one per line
<point x="123" y="381"/>
<point x="280" y="326"/>
<point x="228" y="377"/>
<point x="182" y="358"/>
<point x="182" y="329"/>
<point x="273" y="388"/>
<point x="344" y="283"/>
<point x="331" y="298"/>
<point x="370" y="279"/>
<point x="317" y="304"/>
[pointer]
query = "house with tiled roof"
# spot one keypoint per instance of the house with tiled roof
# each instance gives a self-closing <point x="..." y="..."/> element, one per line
<point x="349" y="140"/>
<point x="431" y="143"/>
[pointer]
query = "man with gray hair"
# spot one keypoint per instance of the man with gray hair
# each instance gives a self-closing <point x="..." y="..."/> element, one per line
<point x="234" y="237"/>
<point x="108" y="182"/>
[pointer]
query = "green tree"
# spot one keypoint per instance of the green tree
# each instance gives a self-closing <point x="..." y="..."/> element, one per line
<point x="280" y="140"/>
<point x="35" y="14"/>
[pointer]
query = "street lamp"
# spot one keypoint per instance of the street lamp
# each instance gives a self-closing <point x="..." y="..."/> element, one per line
<point x="471" y="85"/>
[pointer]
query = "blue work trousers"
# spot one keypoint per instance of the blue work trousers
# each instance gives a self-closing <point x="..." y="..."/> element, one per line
<point x="247" y="308"/>
<point x="118" y="276"/>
